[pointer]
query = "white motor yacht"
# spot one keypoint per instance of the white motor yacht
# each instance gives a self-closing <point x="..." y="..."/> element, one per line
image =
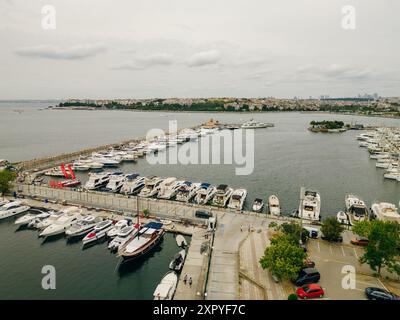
<point x="133" y="186"/>
<point x="95" y="165"/>
<point x="32" y="215"/>
<point x="355" y="208"/>
<point x="274" y="206"/>
<point x="3" y="202"/>
<point x="310" y="205"/>
<point x="205" y="193"/>
<point x="258" y="205"/>
<point x="222" y="196"/>
<point x="186" y="191"/>
<point x="171" y="190"/>
<point x="54" y="216"/>
<point x="115" y="182"/>
<point x="11" y="209"/>
<point x="150" y="187"/>
<point x="117" y="227"/>
<point x="237" y="199"/>
<point x="165" y="187"/>
<point x="82" y="227"/>
<point x="177" y="263"/>
<point x="252" y="124"/>
<point x="99" y="231"/>
<point x="80" y="166"/>
<point x="123" y="237"/>
<point x="166" y="289"/>
<point x="60" y="225"/>
<point x="343" y="218"/>
<point x="385" y="211"/>
<point x="97" y="181"/>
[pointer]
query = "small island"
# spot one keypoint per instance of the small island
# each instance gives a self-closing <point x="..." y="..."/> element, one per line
<point x="328" y="126"/>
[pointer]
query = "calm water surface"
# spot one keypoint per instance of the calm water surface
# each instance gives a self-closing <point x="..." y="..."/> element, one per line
<point x="287" y="157"/>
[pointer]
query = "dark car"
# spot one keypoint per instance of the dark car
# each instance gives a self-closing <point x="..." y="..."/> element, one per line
<point x="203" y="214"/>
<point x="338" y="239"/>
<point x="379" y="294"/>
<point x="307" y="275"/>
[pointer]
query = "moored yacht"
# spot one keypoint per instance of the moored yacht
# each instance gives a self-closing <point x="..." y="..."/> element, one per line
<point x="179" y="259"/>
<point x="123" y="236"/>
<point x="32" y="215"/>
<point x="99" y="231"/>
<point x="258" y="205"/>
<point x="147" y="238"/>
<point x="237" y="199"/>
<point x="343" y="218"/>
<point x="355" y="208"/>
<point x="186" y="191"/>
<point x="310" y="205"/>
<point x="166" y="187"/>
<point x="274" y="206"/>
<point x="82" y="227"/>
<point x="115" y="182"/>
<point x="166" y="288"/>
<point x="97" y="181"/>
<point x="133" y="185"/>
<point x="385" y="211"/>
<point x="222" y="196"/>
<point x="60" y="225"/>
<point x="54" y="216"/>
<point x="253" y="124"/>
<point x="12" y="208"/>
<point x="205" y="193"/>
<point x="150" y="187"/>
<point x="118" y="226"/>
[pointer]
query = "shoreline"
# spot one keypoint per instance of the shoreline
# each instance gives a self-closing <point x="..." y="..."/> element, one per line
<point x="226" y="111"/>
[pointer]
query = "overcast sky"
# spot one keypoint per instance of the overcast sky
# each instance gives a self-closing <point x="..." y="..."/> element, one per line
<point x="198" y="48"/>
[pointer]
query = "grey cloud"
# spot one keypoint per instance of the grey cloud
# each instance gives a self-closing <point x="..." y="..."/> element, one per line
<point x="161" y="59"/>
<point x="75" y="52"/>
<point x="334" y="72"/>
<point x="204" y="58"/>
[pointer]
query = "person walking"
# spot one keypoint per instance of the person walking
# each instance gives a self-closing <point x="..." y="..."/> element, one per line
<point x="190" y="281"/>
<point x="185" y="279"/>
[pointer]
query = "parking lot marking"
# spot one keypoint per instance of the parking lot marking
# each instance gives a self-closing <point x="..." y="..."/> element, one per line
<point x="382" y="284"/>
<point x="330" y="248"/>
<point x="319" y="249"/>
<point x="355" y="252"/>
<point x="342" y="251"/>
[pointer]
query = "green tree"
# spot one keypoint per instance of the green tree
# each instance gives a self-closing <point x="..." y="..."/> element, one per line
<point x="284" y="258"/>
<point x="6" y="177"/>
<point x="146" y="212"/>
<point x="295" y="231"/>
<point x="384" y="243"/>
<point x="331" y="228"/>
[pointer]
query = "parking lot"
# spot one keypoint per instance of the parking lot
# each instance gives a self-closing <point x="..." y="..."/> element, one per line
<point x="332" y="260"/>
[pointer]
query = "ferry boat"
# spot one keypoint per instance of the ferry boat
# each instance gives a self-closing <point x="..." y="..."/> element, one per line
<point x="205" y="193"/>
<point x="167" y="287"/>
<point x="186" y="191"/>
<point x="147" y="239"/>
<point x="310" y="205"/>
<point x="237" y="199"/>
<point x="150" y="187"/>
<point x="274" y="207"/>
<point x="222" y="196"/>
<point x="355" y="208"/>
<point x="12" y="208"/>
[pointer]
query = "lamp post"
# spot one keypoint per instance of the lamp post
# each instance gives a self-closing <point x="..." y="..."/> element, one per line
<point x="302" y="194"/>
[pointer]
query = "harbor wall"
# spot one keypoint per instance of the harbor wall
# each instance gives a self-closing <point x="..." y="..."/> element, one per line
<point x="127" y="205"/>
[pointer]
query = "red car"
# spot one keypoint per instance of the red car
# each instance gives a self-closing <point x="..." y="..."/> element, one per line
<point x="310" y="291"/>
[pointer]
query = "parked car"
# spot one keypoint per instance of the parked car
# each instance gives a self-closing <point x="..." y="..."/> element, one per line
<point x="307" y="275"/>
<point x="308" y="263"/>
<point x="380" y="294"/>
<point x="310" y="291"/>
<point x="338" y="239"/>
<point x="360" y="241"/>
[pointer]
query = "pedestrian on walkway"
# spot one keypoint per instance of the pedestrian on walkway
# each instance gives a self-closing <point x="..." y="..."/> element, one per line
<point x="190" y="281"/>
<point x="241" y="228"/>
<point x="185" y="279"/>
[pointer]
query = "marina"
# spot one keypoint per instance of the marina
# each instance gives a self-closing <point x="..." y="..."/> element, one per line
<point x="116" y="182"/>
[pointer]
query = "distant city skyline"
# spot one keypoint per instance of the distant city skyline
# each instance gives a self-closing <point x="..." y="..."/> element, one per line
<point x="198" y="49"/>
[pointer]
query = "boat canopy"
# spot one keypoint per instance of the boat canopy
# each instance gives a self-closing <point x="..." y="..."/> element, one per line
<point x="154" y="225"/>
<point x="205" y="185"/>
<point x="222" y="187"/>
